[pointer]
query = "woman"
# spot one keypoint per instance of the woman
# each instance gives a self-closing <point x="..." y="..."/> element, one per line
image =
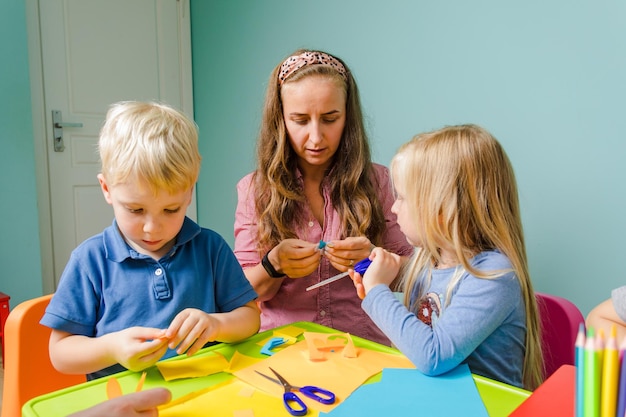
<point x="314" y="182"/>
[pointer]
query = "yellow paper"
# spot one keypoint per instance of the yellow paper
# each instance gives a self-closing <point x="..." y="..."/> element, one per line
<point x="226" y="400"/>
<point x="289" y="331"/>
<point x="194" y="366"/>
<point x="240" y="361"/>
<point x="336" y="372"/>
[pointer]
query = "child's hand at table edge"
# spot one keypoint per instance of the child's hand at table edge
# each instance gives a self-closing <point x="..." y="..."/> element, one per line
<point x="191" y="329"/>
<point x="138" y="348"/>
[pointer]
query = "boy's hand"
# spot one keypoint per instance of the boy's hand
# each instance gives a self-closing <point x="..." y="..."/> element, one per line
<point x="191" y="329"/>
<point x="138" y="348"/>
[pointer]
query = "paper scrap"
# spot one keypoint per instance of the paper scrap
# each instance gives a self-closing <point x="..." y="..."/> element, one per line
<point x="194" y="366"/>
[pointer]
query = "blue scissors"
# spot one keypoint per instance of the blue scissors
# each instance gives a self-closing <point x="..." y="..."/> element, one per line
<point x="290" y="398"/>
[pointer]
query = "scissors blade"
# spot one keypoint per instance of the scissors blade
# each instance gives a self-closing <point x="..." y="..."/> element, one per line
<point x="274" y="380"/>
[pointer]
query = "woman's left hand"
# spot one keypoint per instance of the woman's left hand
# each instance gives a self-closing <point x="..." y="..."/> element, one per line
<point x="343" y="254"/>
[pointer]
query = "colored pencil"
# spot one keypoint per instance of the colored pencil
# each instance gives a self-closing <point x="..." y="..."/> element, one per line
<point x="610" y="376"/>
<point x="621" y="393"/>
<point x="591" y="400"/>
<point x="579" y="358"/>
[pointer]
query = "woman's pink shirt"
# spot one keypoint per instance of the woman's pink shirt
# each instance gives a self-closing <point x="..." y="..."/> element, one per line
<point x="335" y="305"/>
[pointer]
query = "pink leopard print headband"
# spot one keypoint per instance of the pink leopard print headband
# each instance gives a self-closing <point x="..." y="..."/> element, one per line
<point x="295" y="62"/>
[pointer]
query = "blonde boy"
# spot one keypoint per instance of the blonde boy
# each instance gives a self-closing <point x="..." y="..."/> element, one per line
<point x="154" y="284"/>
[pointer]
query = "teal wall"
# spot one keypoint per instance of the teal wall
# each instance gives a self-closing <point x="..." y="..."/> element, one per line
<point x="546" y="78"/>
<point x="20" y="259"/>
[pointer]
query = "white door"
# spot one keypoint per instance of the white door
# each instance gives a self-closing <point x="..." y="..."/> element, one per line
<point x="95" y="53"/>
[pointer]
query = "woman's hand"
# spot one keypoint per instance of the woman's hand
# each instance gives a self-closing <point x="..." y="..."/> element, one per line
<point x="295" y="258"/>
<point x="343" y="254"/>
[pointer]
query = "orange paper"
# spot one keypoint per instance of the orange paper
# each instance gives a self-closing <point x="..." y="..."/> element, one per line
<point x="337" y="373"/>
<point x="320" y="343"/>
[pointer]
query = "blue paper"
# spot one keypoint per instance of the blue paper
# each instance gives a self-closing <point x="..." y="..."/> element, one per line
<point x="410" y="392"/>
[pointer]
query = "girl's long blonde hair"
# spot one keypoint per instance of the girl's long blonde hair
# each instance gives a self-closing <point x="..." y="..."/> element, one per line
<point x="461" y="188"/>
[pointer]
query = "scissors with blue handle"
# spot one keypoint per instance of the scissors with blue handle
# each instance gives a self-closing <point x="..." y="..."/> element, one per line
<point x="290" y="398"/>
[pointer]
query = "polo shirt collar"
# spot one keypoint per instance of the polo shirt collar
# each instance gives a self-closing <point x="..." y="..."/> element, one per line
<point x="117" y="250"/>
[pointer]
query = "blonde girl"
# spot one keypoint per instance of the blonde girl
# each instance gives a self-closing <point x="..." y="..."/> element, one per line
<point x="468" y="297"/>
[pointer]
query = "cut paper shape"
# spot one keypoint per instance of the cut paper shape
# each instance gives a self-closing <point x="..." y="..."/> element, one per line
<point x="243" y="413"/>
<point x="247" y="391"/>
<point x="337" y="373"/>
<point x="410" y="392"/>
<point x="289" y="331"/>
<point x="114" y="389"/>
<point x="193" y="366"/>
<point x="240" y="361"/>
<point x="276" y="342"/>
<point x="555" y="397"/>
<point x="271" y="344"/>
<point x="320" y="343"/>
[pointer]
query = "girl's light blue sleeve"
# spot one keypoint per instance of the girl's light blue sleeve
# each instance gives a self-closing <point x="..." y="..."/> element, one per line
<point x="478" y="308"/>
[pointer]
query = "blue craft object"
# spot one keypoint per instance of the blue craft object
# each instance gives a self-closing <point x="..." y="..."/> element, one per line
<point x="271" y="344"/>
<point x="321" y="244"/>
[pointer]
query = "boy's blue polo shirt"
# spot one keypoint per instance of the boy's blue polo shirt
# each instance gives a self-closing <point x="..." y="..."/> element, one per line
<point x="107" y="286"/>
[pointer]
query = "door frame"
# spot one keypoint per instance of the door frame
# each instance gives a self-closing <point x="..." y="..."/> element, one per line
<point x="40" y="130"/>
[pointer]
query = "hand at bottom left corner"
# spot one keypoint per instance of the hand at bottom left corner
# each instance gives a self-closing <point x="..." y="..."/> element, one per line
<point x="143" y="403"/>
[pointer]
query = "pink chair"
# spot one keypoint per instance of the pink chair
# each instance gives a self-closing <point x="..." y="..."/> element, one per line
<point x="560" y="320"/>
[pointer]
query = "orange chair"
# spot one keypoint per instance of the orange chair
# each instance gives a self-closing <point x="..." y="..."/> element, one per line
<point x="560" y="320"/>
<point x="28" y="372"/>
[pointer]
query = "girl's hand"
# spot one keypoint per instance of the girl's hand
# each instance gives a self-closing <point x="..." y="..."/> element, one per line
<point x="295" y="258"/>
<point x="383" y="270"/>
<point x="190" y="330"/>
<point x="343" y="254"/>
<point x="138" y="348"/>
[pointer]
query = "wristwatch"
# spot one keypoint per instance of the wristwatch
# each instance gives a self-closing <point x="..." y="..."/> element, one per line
<point x="269" y="268"/>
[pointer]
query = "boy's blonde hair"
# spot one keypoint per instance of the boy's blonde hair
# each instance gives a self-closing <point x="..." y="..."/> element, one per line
<point x="152" y="142"/>
<point x="461" y="190"/>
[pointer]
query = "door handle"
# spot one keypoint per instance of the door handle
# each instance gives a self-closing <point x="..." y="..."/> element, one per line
<point x="57" y="127"/>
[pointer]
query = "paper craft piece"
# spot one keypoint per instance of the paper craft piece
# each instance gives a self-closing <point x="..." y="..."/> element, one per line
<point x="193" y="366"/>
<point x="243" y="413"/>
<point x="240" y="361"/>
<point x="271" y="344"/>
<point x="410" y="392"/>
<point x="224" y="400"/>
<point x="320" y="343"/>
<point x="337" y="373"/>
<point x="247" y="391"/>
<point x="555" y="397"/>
<point x="114" y="389"/>
<point x="289" y="331"/>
